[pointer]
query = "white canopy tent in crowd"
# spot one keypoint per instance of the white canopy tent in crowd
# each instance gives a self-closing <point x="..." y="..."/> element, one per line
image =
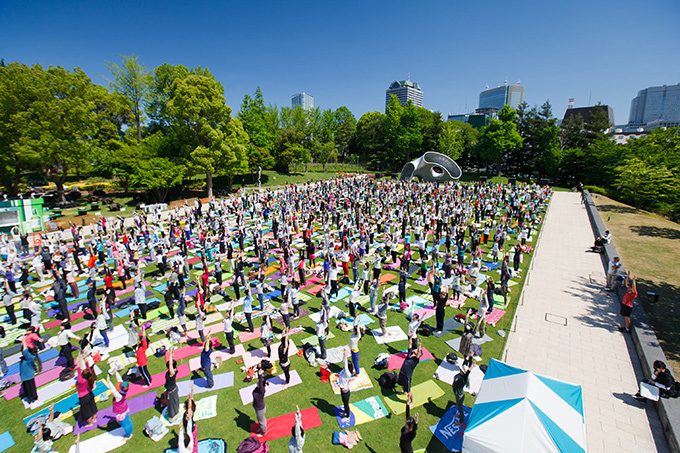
<point x="519" y="411"/>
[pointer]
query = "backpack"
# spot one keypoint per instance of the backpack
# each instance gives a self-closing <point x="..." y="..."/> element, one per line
<point x="388" y="380"/>
<point x="154" y="426"/>
<point x="452" y="357"/>
<point x="425" y="330"/>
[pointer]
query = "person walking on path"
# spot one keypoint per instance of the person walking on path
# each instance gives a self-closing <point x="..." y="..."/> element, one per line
<point x="258" y="402"/>
<point x="627" y="302"/>
<point x="408" y="431"/>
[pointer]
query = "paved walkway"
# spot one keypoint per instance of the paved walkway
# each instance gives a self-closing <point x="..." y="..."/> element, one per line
<point x="565" y="286"/>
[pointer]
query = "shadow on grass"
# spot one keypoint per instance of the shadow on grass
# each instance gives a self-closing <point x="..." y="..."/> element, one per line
<point x="324" y="406"/>
<point x="243" y="420"/>
<point x="652" y="231"/>
<point x="617" y="209"/>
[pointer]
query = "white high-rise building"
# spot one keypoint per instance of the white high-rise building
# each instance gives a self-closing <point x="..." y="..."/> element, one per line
<point x="303" y="100"/>
<point x="405" y="91"/>
<point x="656" y="106"/>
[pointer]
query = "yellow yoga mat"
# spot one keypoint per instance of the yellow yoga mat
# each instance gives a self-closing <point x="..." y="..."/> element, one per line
<point x="422" y="393"/>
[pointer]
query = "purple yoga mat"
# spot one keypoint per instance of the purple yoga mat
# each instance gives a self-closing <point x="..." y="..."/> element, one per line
<point x="58" y="361"/>
<point x="40" y="380"/>
<point x="106" y="416"/>
<point x="53" y="313"/>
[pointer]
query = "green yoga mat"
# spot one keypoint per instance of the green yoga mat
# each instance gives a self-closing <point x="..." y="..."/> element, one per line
<point x="498" y="302"/>
<point x="422" y="393"/>
<point x="314" y="340"/>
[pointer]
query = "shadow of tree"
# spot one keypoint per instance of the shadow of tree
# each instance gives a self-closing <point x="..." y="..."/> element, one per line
<point x="647" y="230"/>
<point x="616" y="208"/>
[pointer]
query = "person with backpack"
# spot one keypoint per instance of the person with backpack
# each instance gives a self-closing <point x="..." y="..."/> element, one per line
<point x="408" y="431"/>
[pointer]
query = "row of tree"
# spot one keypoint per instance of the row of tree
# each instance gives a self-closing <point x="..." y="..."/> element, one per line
<point x="153" y="129"/>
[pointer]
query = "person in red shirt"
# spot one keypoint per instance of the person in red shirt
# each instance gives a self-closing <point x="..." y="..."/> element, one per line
<point x="142" y="359"/>
<point x="627" y="302"/>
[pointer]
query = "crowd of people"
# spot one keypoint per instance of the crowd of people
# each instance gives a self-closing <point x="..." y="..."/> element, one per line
<point x="346" y="233"/>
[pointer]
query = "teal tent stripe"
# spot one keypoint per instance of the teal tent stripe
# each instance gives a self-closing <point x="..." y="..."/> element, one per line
<point x="481" y="413"/>
<point x="562" y="440"/>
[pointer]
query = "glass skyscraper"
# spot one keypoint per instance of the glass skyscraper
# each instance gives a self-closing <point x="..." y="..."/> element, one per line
<point x="303" y="100"/>
<point x="657" y="106"/>
<point x="512" y="95"/>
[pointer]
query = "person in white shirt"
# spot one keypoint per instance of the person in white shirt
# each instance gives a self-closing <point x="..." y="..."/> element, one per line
<point x="614" y="266"/>
<point x="63" y="341"/>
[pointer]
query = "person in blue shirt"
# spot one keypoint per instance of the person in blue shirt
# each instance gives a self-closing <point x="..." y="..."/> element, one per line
<point x="27" y="372"/>
<point x="206" y="363"/>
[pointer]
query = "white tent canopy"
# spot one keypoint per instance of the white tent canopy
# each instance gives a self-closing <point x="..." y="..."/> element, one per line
<point x="519" y="411"/>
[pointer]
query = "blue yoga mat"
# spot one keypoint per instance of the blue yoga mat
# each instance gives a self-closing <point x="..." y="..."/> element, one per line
<point x="161" y="288"/>
<point x="450" y="434"/>
<point x="272" y="294"/>
<point x="6" y="441"/>
<point x="69" y="403"/>
<point x="206" y="446"/>
<point x="44" y="357"/>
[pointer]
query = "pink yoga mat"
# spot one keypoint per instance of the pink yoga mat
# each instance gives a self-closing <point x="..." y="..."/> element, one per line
<point x="275" y="385"/>
<point x="57" y="322"/>
<point x="191" y="350"/>
<point x="315" y="290"/>
<point x="425" y="313"/>
<point x="106" y="415"/>
<point x="215" y="328"/>
<point x="247" y="336"/>
<point x="310" y="281"/>
<point x="40" y="380"/>
<point x="157" y="380"/>
<point x="395" y="361"/>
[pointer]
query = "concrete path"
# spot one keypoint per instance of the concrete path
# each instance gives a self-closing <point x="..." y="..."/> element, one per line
<point x="567" y="328"/>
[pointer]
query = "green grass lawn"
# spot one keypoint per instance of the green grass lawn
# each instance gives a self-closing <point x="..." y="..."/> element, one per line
<point x="649" y="246"/>
<point x="233" y="420"/>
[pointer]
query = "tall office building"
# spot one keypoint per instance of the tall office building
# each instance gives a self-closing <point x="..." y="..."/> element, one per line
<point x="656" y="106"/>
<point x="512" y="95"/>
<point x="303" y="100"/>
<point x="405" y="91"/>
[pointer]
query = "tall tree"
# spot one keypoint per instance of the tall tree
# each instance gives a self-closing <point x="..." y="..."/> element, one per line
<point x="62" y="128"/>
<point x="198" y="103"/>
<point x="451" y="140"/>
<point x="499" y="137"/>
<point x="346" y="125"/>
<point x="132" y="82"/>
<point x="647" y="183"/>
<point x="370" y="142"/>
<point x="261" y="126"/>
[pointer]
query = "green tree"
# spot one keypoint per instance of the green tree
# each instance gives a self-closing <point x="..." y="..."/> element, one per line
<point x="20" y="87"/>
<point x="324" y="153"/>
<point x="131" y="81"/>
<point x="158" y="175"/>
<point x="646" y="182"/>
<point x="451" y="141"/>
<point x="261" y="126"/>
<point x="346" y="125"/>
<point x="236" y="140"/>
<point x="370" y="140"/>
<point x="61" y="130"/>
<point x="499" y="137"/>
<point x="198" y="103"/>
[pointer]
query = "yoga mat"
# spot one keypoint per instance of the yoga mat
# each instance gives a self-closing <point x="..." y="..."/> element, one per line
<point x="102" y="443"/>
<point x="314" y="340"/>
<point x="272" y="294"/>
<point x="394" y="333"/>
<point x="315" y="289"/>
<point x="342" y="293"/>
<point x="274" y="385"/>
<point x="160" y="288"/>
<point x="214" y="328"/>
<point x="457" y="302"/>
<point x="422" y="393"/>
<point x="335" y="355"/>
<point x="70" y="404"/>
<point x="157" y="380"/>
<point x="206" y="446"/>
<point x="205" y="408"/>
<point x="57" y="322"/>
<point x="384" y="278"/>
<point x="248" y="336"/>
<point x="282" y="425"/>
<point x="302" y="311"/>
<point x="425" y="313"/>
<point x="447" y="373"/>
<point x="106" y="415"/>
<point x="50" y="392"/>
<point x="363" y="319"/>
<point x="221" y="381"/>
<point x="446" y="430"/>
<point x="191" y="350"/>
<point x="253" y="357"/>
<point x="421" y="281"/>
<point x="292" y="331"/>
<point x="356" y="383"/>
<point x="44" y="357"/>
<point x="449" y="326"/>
<point x="40" y="380"/>
<point x="6" y="441"/>
<point x="195" y="362"/>
<point x="395" y="361"/>
<point x="455" y="343"/>
<point x="361" y="412"/>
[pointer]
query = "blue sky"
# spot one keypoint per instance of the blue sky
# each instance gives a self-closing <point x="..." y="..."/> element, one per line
<point x="347" y="53"/>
